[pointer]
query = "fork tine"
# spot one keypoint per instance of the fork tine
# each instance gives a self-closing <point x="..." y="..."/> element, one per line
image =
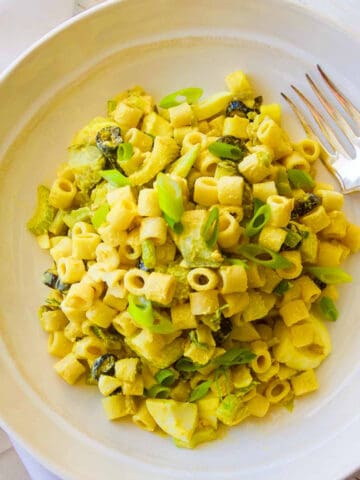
<point x="329" y="135"/>
<point x="334" y="114"/>
<point x="310" y="132"/>
<point x="306" y="126"/>
<point x="345" y="102"/>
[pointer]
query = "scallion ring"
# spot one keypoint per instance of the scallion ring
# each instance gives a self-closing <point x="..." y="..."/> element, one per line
<point x="189" y="95"/>
<point x="264" y="256"/>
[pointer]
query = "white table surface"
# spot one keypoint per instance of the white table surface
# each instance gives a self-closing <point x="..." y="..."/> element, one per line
<point x="22" y="22"/>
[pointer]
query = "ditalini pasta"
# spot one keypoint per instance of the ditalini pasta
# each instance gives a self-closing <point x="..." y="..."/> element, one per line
<point x="195" y="260"/>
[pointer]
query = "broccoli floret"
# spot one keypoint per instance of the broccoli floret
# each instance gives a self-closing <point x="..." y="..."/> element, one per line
<point x="305" y="205"/>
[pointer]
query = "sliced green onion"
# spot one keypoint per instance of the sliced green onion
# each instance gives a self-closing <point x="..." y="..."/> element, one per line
<point x="79" y="215"/>
<point x="187" y="365"/>
<point x="225" y="150"/>
<point x="234" y="356"/>
<point x="124" y="152"/>
<point x="257" y="204"/>
<point x="176" y="226"/>
<point x="148" y="253"/>
<point x="144" y="316"/>
<point x="210" y="230"/>
<point x="300" y="179"/>
<point x="157" y="391"/>
<point x="200" y="391"/>
<point x="282" y="183"/>
<point x="282" y="287"/>
<point x="166" y="377"/>
<point x="99" y="216"/>
<point x="264" y="256"/>
<point x="189" y="95"/>
<point x="328" y="309"/>
<point x="115" y="178"/>
<point x="182" y="166"/>
<point x="170" y="199"/>
<point x="330" y="275"/>
<point x="141" y="311"/>
<point x="258" y="221"/>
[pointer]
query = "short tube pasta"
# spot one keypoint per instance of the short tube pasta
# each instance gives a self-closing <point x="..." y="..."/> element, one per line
<point x="229" y="230"/>
<point x="62" y="193"/>
<point x="206" y="191"/>
<point x="135" y="281"/>
<point x="201" y="279"/>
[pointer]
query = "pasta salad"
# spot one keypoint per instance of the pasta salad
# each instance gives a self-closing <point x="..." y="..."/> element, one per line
<point x="195" y="260"/>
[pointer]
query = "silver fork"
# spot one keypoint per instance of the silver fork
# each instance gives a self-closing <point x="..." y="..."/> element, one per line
<point x="342" y="164"/>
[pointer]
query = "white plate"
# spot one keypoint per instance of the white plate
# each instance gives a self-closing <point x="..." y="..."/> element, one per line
<point x="53" y="91"/>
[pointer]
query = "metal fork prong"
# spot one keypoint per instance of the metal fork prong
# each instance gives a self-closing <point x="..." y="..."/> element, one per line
<point x="347" y="105"/>
<point x="328" y="134"/>
<point x="334" y="114"/>
<point x="306" y="126"/>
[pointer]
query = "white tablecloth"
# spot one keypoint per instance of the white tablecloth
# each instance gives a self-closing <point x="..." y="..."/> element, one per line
<point x="22" y="22"/>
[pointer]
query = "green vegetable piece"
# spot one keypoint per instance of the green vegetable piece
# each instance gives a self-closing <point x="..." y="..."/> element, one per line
<point x="166" y="377"/>
<point x="104" y="365"/>
<point x="113" y="341"/>
<point x="228" y="409"/>
<point x="44" y="213"/>
<point x="282" y="287"/>
<point x="107" y="141"/>
<point x="293" y="237"/>
<point x="282" y="183"/>
<point x="210" y="229"/>
<point x="301" y="179"/>
<point x="305" y="205"/>
<point x="226" y="168"/>
<point x="264" y="256"/>
<point x="58" y="226"/>
<point x="49" y="279"/>
<point x="258" y="221"/>
<point x="170" y="199"/>
<point x="157" y="391"/>
<point x="330" y="275"/>
<point x="124" y="152"/>
<point x="191" y="243"/>
<point x="200" y="391"/>
<point x="225" y="150"/>
<point x="99" y="216"/>
<point x="148" y="253"/>
<point x="234" y="356"/>
<point x="144" y="316"/>
<point x="115" y="178"/>
<point x="328" y="309"/>
<point x="182" y="166"/>
<point x="86" y="163"/>
<point x="80" y="215"/>
<point x="187" y="365"/>
<point x="189" y="95"/>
